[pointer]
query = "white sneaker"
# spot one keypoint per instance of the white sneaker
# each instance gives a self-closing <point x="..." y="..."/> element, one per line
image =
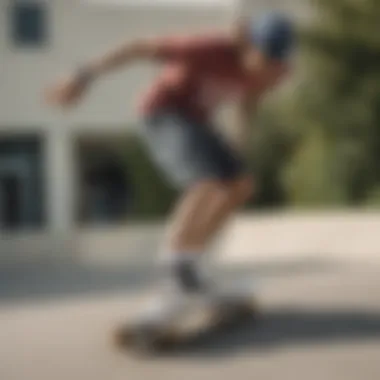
<point x="164" y="308"/>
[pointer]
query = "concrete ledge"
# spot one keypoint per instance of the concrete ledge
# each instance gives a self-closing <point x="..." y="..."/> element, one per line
<point x="253" y="238"/>
<point x="33" y="246"/>
<point x="134" y="242"/>
<point x="24" y="246"/>
<point x="344" y="235"/>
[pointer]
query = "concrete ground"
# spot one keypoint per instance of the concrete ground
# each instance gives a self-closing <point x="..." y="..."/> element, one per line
<point x="321" y="320"/>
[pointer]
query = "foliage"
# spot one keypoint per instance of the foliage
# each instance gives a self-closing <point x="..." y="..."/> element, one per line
<point x="152" y="196"/>
<point x="335" y="108"/>
<point x="317" y="141"/>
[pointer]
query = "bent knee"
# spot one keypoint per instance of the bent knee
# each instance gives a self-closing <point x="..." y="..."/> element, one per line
<point x="207" y="186"/>
<point x="243" y="188"/>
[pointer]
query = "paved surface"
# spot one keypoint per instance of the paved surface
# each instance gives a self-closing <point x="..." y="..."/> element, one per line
<point x="321" y="321"/>
<point x="250" y="237"/>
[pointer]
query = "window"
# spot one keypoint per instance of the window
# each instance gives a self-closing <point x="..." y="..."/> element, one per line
<point x="105" y="190"/>
<point x="21" y="182"/>
<point x="28" y="23"/>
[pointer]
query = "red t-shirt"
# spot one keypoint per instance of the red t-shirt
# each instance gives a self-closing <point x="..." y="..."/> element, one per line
<point x="200" y="73"/>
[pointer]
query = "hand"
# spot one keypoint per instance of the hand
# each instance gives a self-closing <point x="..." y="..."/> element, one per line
<point x="241" y="147"/>
<point x="67" y="92"/>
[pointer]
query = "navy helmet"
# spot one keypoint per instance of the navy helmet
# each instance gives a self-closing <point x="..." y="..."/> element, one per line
<point x="273" y="33"/>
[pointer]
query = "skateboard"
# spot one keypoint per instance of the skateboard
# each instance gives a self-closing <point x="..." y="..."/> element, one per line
<point x="199" y="322"/>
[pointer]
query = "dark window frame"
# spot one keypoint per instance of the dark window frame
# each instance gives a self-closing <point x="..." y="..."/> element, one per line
<point x="33" y="34"/>
<point x="36" y="142"/>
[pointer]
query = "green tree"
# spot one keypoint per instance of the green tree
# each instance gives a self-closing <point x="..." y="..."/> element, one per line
<point x="337" y="106"/>
<point x="153" y="198"/>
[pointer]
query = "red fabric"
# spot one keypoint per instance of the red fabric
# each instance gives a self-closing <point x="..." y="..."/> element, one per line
<point x="199" y="73"/>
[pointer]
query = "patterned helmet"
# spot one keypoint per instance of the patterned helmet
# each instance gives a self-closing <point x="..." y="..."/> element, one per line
<point x="273" y="34"/>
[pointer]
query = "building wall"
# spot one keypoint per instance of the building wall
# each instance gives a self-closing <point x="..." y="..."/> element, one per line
<point x="78" y="31"/>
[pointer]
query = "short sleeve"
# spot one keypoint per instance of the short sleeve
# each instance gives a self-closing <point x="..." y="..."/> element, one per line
<point x="188" y="48"/>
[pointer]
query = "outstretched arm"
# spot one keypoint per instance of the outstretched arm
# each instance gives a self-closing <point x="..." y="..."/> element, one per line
<point x="70" y="90"/>
<point x="127" y="53"/>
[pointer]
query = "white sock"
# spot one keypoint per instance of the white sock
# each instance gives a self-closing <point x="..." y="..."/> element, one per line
<point x="185" y="268"/>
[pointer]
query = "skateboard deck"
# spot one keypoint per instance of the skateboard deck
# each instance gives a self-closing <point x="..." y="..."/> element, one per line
<point x="194" y="326"/>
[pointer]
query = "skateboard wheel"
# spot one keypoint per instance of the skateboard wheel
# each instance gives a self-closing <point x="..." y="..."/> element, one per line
<point x="245" y="311"/>
<point x="140" y="339"/>
<point x="231" y="312"/>
<point x="222" y="316"/>
<point x="144" y="340"/>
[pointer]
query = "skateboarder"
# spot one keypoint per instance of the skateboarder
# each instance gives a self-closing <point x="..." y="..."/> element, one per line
<point x="198" y="73"/>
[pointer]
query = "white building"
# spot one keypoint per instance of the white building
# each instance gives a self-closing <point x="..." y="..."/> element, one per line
<point x="39" y="40"/>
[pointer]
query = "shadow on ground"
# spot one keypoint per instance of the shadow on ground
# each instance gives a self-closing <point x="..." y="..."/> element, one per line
<point x="43" y="281"/>
<point x="279" y="328"/>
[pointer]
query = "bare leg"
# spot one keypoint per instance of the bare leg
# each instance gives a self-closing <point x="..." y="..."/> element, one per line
<point x="224" y="202"/>
<point x="203" y="211"/>
<point x="198" y="217"/>
<point x="182" y="229"/>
